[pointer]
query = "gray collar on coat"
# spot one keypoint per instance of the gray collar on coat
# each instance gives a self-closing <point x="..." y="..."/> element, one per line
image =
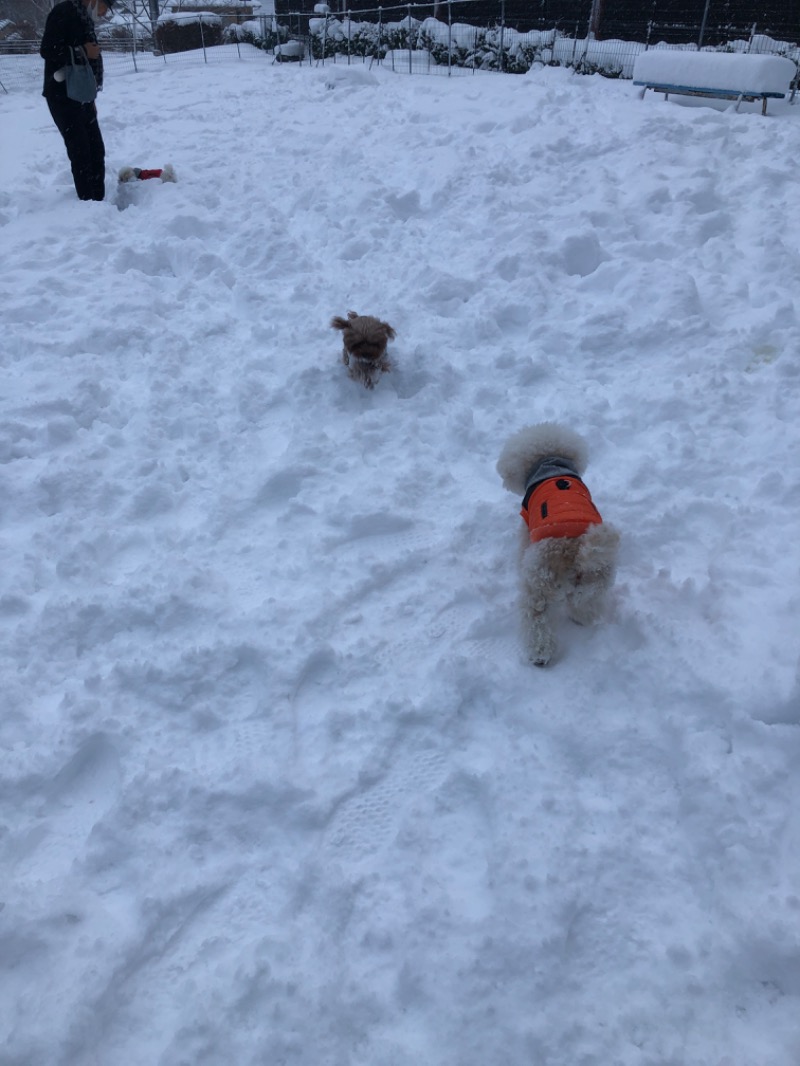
<point x="547" y="467"/>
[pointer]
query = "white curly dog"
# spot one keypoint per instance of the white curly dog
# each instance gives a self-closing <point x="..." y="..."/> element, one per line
<point x="568" y="551"/>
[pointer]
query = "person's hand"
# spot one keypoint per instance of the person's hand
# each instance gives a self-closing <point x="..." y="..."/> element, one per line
<point x="92" y="50"/>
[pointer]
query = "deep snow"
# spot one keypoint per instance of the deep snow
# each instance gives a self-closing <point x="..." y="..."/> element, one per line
<point x="278" y="786"/>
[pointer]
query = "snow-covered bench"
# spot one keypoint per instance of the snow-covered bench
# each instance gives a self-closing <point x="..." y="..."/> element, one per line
<point x="728" y="75"/>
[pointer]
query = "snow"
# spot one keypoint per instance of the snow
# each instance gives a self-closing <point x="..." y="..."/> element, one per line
<point x="719" y="70"/>
<point x="177" y="7"/>
<point x="210" y="18"/>
<point x="278" y="785"/>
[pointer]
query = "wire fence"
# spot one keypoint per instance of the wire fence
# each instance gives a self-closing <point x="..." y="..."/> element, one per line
<point x="21" y="69"/>
<point x="404" y="38"/>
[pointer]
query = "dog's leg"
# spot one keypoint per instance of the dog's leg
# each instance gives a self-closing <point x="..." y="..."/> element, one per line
<point x="362" y="370"/>
<point x="585" y="602"/>
<point x="541" y="643"/>
<point x="537" y="603"/>
<point x="355" y="370"/>
<point x="594" y="574"/>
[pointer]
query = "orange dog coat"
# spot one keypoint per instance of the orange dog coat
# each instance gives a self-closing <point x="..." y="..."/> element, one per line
<point x="559" y="507"/>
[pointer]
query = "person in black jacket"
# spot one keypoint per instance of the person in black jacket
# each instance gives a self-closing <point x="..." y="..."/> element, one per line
<point x="71" y="24"/>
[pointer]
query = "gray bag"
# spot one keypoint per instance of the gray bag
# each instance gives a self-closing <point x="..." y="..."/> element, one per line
<point x="81" y="83"/>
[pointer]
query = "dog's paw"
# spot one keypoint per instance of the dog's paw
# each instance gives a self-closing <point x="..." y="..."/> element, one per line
<point x="541" y="648"/>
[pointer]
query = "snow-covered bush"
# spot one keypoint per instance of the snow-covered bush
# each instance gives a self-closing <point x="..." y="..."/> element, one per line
<point x="184" y="34"/>
<point x="263" y="34"/>
<point x="458" y="45"/>
<point x="344" y="37"/>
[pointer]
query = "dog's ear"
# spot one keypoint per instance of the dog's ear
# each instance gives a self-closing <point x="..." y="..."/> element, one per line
<point x="337" y="322"/>
<point x="353" y="314"/>
<point x="389" y="331"/>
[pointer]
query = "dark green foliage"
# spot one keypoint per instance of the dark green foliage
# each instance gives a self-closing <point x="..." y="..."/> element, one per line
<point x="488" y="49"/>
<point x="185" y="36"/>
<point x="266" y="41"/>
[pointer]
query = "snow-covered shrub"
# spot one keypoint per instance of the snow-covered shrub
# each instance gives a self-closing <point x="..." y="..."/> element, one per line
<point x="261" y="34"/>
<point x="402" y="36"/>
<point x="332" y="36"/>
<point x="456" y="49"/>
<point x="176" y="34"/>
<point x="459" y="45"/>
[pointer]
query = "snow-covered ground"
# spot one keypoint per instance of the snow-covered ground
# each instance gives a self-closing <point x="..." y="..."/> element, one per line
<point x="277" y="783"/>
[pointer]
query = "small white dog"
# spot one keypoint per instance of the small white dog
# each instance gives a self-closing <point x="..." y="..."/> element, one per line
<point x="127" y="174"/>
<point x="568" y="552"/>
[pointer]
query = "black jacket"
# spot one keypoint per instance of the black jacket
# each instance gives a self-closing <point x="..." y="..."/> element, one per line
<point x="63" y="30"/>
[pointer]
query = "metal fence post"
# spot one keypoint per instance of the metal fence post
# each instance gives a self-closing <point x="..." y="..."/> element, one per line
<point x="590" y="36"/>
<point x="133" y="46"/>
<point x="703" y="26"/>
<point x="408" y="38"/>
<point x="349" y="35"/>
<point x="595" y="17"/>
<point x="502" y="33"/>
<point x="203" y="40"/>
<point x="449" y="38"/>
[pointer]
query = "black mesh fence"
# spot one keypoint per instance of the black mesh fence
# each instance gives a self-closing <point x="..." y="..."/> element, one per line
<point x="455" y="37"/>
<point x="701" y="22"/>
<point x="710" y="22"/>
<point x="589" y="36"/>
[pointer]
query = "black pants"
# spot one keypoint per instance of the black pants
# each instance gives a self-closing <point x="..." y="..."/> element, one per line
<point x="78" y="125"/>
